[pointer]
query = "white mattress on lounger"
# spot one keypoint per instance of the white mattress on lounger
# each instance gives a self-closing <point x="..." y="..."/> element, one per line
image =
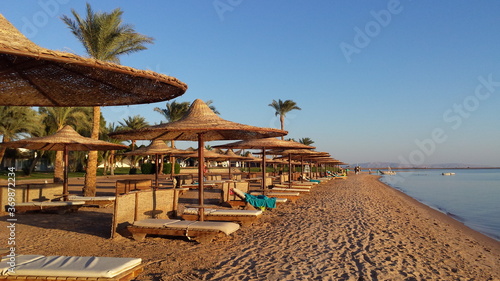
<point x="95" y="198"/>
<point x="224" y="212"/>
<point x="68" y="266"/>
<point x="51" y="203"/>
<point x="292" y="189"/>
<point x="154" y="222"/>
<point x="226" y="227"/>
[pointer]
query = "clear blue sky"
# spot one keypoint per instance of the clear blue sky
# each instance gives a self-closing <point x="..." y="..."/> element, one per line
<point x="393" y="81"/>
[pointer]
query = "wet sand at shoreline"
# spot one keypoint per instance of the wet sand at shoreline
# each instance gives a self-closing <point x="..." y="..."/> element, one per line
<point x="354" y="229"/>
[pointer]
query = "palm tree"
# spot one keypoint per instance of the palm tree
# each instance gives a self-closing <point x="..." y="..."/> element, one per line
<point x="174" y="110"/>
<point x="16" y="120"/>
<point x="282" y="108"/>
<point x="54" y="119"/>
<point x="306" y="141"/>
<point x="104" y="37"/>
<point x="133" y="123"/>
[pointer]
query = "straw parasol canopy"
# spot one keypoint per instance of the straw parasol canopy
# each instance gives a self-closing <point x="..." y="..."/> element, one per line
<point x="200" y="124"/>
<point x="34" y="76"/>
<point x="65" y="139"/>
<point x="263" y="144"/>
<point x="200" y="120"/>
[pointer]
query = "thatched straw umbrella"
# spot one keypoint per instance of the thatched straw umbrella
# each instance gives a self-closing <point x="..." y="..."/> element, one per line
<point x="34" y="76"/>
<point x="200" y="124"/>
<point x="65" y="139"/>
<point x="157" y="148"/>
<point x="263" y="144"/>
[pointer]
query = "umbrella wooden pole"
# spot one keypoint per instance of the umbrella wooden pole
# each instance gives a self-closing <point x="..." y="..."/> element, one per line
<point x="157" y="156"/>
<point x="172" y="171"/>
<point x="301" y="168"/>
<point x="264" y="171"/>
<point x="201" y="174"/>
<point x="289" y="170"/>
<point x="66" y="164"/>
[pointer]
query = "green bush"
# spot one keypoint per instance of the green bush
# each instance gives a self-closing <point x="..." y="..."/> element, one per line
<point x="167" y="168"/>
<point x="132" y="171"/>
<point x="147" y="168"/>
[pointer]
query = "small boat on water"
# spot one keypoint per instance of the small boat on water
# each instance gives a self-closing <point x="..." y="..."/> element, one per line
<point x="447" y="174"/>
<point x="388" y="172"/>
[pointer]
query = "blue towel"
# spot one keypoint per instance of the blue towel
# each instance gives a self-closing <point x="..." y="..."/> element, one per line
<point x="260" y="201"/>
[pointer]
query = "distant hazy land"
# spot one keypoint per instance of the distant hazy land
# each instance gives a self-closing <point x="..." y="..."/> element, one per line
<point x="393" y="165"/>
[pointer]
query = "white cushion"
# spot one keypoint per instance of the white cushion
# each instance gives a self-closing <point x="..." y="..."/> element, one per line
<point x="226" y="227"/>
<point x="224" y="212"/>
<point x="51" y="203"/>
<point x="239" y="193"/>
<point x="68" y="266"/>
<point x="154" y="222"/>
<point x="292" y="189"/>
<point x="96" y="198"/>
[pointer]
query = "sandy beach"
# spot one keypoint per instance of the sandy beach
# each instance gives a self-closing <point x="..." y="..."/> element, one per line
<point x="354" y="229"/>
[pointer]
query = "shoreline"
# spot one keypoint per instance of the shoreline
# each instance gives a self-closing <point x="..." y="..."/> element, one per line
<point x="354" y="229"/>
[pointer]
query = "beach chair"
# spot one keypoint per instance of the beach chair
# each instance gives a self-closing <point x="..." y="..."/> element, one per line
<point x="282" y="195"/>
<point x="45" y="268"/>
<point x="294" y="186"/>
<point x="100" y="201"/>
<point x="243" y="217"/>
<point x="199" y="231"/>
<point x="60" y="207"/>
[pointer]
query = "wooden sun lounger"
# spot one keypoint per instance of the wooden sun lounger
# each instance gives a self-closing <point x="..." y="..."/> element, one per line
<point x="294" y="186"/>
<point x="60" y="207"/>
<point x="51" y="268"/>
<point x="281" y="189"/>
<point x="290" y="196"/>
<point x="243" y="217"/>
<point x="242" y="203"/>
<point x="200" y="231"/>
<point x="100" y="201"/>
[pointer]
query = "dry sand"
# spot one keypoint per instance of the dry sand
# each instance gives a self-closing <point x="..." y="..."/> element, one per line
<point x="354" y="229"/>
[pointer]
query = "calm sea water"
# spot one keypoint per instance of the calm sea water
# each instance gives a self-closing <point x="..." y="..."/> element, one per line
<point x="471" y="196"/>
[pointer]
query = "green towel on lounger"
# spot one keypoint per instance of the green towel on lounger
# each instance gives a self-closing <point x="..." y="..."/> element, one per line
<point x="260" y="201"/>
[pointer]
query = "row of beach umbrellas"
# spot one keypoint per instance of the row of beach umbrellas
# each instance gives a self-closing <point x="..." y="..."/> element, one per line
<point x="34" y="76"/>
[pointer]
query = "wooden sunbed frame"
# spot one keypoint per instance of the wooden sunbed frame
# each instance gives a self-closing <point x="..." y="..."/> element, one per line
<point x="200" y="236"/>
<point x="291" y="198"/>
<point x="20" y="209"/>
<point x="294" y="186"/>
<point x="101" y="203"/>
<point x="243" y="220"/>
<point x="125" y="276"/>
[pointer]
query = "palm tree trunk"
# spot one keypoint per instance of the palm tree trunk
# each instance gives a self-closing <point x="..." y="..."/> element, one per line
<point x="59" y="167"/>
<point x="112" y="163"/>
<point x="89" y="188"/>
<point x="282" y="121"/>
<point x="37" y="158"/>
<point x="3" y="149"/>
